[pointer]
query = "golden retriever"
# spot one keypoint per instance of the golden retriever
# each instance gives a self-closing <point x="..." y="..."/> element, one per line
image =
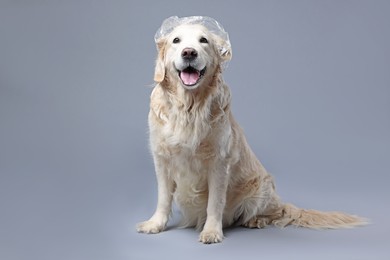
<point x="202" y="159"/>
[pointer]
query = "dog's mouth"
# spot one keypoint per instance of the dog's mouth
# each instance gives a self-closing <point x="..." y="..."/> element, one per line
<point x="191" y="76"/>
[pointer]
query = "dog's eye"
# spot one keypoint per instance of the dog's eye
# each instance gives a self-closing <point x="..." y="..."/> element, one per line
<point x="203" y="40"/>
<point x="176" y="40"/>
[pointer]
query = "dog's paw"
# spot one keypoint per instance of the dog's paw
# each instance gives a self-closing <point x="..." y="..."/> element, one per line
<point x="211" y="236"/>
<point x="257" y="222"/>
<point x="150" y="227"/>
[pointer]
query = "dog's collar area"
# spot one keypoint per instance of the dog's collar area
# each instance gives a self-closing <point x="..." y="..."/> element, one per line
<point x="191" y="76"/>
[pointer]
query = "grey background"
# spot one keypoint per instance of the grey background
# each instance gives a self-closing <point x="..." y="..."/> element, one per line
<point x="311" y="88"/>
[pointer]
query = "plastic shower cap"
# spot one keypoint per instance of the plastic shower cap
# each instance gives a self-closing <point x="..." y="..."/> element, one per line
<point x="212" y="25"/>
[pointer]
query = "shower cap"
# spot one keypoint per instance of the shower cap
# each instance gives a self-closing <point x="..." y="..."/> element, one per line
<point x="211" y="24"/>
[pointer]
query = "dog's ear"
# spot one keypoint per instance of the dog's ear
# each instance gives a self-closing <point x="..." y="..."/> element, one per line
<point x="224" y="49"/>
<point x="159" y="71"/>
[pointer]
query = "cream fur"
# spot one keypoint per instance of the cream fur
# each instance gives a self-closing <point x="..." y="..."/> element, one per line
<point x="201" y="156"/>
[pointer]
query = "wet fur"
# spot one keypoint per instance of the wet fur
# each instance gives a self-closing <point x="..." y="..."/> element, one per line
<point x="203" y="161"/>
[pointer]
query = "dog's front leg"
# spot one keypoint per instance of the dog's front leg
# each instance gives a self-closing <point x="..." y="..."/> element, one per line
<point x="166" y="188"/>
<point x="217" y="182"/>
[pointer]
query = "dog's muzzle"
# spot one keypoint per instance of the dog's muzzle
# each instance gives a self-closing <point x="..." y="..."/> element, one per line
<point x="191" y="76"/>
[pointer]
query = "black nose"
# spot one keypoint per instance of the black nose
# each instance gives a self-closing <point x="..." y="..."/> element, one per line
<point x="189" y="53"/>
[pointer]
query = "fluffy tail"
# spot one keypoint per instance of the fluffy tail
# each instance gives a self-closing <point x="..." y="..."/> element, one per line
<point x="292" y="215"/>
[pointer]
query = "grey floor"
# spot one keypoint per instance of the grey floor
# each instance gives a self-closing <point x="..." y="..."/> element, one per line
<point x="311" y="88"/>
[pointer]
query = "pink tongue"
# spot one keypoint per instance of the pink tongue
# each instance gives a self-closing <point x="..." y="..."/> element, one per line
<point x="189" y="77"/>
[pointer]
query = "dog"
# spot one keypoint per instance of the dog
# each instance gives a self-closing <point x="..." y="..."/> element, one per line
<point x="202" y="159"/>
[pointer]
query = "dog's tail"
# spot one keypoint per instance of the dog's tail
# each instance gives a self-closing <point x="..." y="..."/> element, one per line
<point x="291" y="215"/>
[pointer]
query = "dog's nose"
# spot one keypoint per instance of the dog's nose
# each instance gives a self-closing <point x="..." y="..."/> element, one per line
<point x="189" y="53"/>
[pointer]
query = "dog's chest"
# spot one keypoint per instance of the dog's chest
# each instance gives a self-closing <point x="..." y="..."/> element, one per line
<point x="191" y="137"/>
<point x="187" y="130"/>
<point x="189" y="142"/>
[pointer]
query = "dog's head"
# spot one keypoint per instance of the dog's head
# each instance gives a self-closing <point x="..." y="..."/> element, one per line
<point x="190" y="51"/>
